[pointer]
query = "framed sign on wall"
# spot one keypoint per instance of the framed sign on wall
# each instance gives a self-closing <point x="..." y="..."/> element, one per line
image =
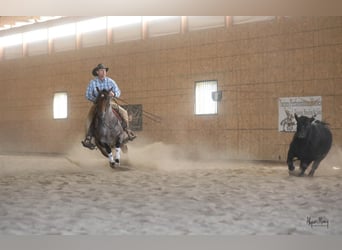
<point x="134" y="116"/>
<point x="289" y="106"/>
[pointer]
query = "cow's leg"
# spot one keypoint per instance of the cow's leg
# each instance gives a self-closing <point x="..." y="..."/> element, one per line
<point x="314" y="167"/>
<point x="290" y="156"/>
<point x="303" y="166"/>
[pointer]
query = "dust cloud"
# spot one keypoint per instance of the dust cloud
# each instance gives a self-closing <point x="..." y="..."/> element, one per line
<point x="144" y="154"/>
<point x="332" y="162"/>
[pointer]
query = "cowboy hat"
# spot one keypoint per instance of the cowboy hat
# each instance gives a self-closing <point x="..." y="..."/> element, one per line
<point x="99" y="66"/>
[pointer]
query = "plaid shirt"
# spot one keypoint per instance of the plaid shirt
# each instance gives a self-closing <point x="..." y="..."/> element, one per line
<point x="107" y="83"/>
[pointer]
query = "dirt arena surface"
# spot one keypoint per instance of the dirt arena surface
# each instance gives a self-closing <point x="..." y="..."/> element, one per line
<point x="162" y="193"/>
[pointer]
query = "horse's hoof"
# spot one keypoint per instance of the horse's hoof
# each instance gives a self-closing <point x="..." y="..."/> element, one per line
<point x="115" y="163"/>
<point x="112" y="164"/>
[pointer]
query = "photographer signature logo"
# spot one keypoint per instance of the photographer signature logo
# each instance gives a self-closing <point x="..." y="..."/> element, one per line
<point x="321" y="221"/>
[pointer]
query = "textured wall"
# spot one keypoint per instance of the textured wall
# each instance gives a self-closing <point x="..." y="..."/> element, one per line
<point x="254" y="64"/>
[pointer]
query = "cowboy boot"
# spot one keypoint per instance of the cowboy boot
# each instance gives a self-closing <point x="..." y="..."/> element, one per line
<point x="87" y="143"/>
<point x="130" y="133"/>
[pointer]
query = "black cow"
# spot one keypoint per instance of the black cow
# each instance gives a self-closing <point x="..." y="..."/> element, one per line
<point x="311" y="143"/>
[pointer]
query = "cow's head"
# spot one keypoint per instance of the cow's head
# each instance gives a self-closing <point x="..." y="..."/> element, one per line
<point x="303" y="126"/>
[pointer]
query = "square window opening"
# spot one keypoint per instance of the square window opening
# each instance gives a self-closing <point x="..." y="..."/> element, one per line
<point x="60" y="105"/>
<point x="204" y="102"/>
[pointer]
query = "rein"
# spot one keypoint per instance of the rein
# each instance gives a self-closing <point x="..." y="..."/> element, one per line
<point x="149" y="115"/>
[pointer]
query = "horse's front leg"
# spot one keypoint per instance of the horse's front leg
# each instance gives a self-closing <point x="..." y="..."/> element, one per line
<point x="117" y="152"/>
<point x="108" y="149"/>
<point x="114" y="161"/>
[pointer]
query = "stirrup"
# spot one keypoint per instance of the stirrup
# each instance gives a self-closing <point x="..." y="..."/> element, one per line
<point x="87" y="143"/>
<point x="131" y="135"/>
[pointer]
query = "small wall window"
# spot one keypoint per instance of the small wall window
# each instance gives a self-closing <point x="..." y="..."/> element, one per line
<point x="204" y="102"/>
<point x="60" y="105"/>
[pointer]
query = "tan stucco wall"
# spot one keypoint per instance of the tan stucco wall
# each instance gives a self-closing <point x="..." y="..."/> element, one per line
<point x="254" y="64"/>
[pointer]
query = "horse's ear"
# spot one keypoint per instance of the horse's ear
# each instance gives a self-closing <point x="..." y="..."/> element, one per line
<point x="97" y="88"/>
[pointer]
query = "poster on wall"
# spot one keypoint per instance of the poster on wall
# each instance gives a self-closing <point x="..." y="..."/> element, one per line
<point x="289" y="106"/>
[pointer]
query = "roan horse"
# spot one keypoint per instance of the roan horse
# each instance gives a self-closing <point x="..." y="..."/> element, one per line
<point x="108" y="132"/>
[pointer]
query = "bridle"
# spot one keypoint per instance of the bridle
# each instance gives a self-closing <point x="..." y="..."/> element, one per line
<point x="105" y="99"/>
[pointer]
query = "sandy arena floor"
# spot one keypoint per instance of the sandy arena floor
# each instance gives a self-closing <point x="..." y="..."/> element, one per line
<point x="80" y="194"/>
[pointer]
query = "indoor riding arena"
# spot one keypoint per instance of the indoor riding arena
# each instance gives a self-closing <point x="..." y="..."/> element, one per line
<point x="213" y="101"/>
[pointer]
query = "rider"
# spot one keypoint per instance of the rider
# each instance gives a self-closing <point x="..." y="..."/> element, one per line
<point x="101" y="81"/>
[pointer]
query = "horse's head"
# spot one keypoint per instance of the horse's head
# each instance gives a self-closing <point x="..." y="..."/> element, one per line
<point x="103" y="101"/>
